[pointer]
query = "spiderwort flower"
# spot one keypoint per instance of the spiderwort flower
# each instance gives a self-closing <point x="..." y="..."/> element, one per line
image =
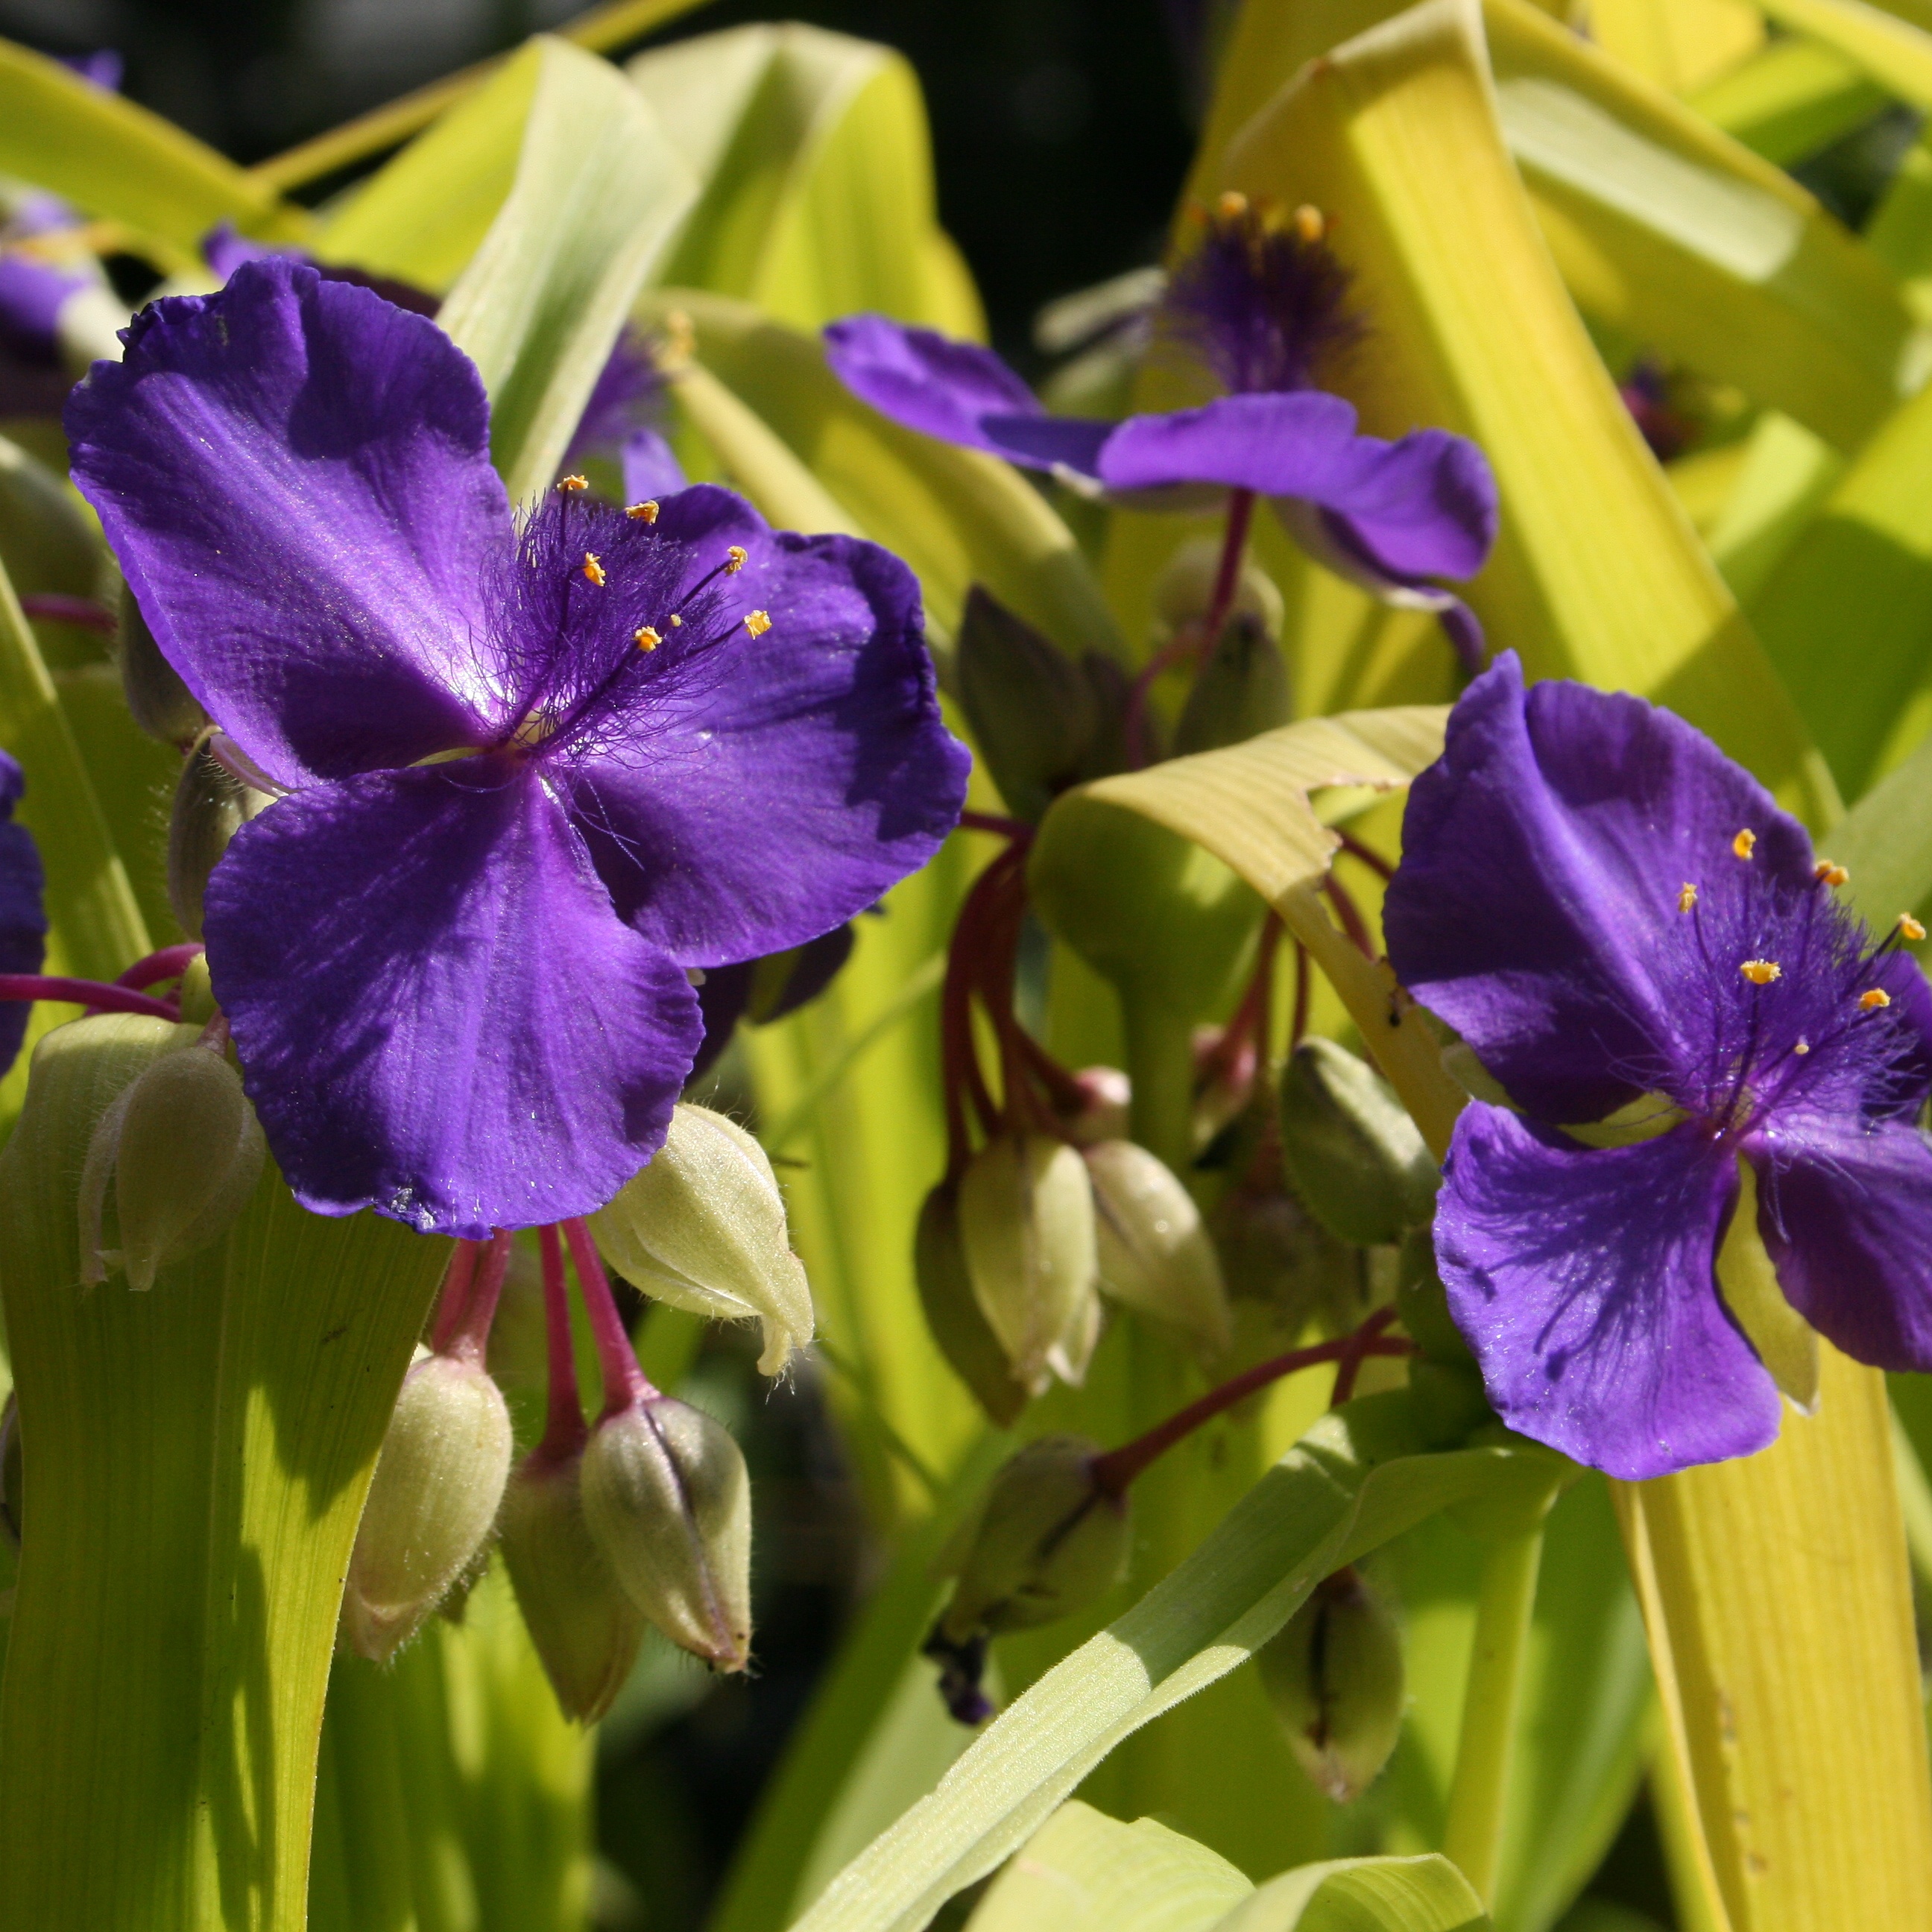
<point x="1263" y="305"/>
<point x="534" y="770"/>
<point x="1611" y="912"/>
<point x="23" y="924"/>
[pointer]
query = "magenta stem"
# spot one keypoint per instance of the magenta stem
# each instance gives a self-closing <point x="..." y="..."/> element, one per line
<point x="624" y="1381"/>
<point x="1227" y="576"/>
<point x="1350" y="1366"/>
<point x="1114" y="1471"/>
<point x="1366" y="854"/>
<point x="90" y="993"/>
<point x="454" y="1300"/>
<point x="84" y="611"/>
<point x="564" y="1432"/>
<point x="170" y="963"/>
<point x="1015" y="829"/>
<point x="471" y="1341"/>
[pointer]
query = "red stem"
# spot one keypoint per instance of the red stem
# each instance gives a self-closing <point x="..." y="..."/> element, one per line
<point x="1350" y="1366"/>
<point x="469" y="1338"/>
<point x="455" y="1297"/>
<point x="1248" y="1021"/>
<point x="1353" y="923"/>
<point x="84" y="611"/>
<point x="624" y="1381"/>
<point x="88" y="993"/>
<point x="1015" y="829"/>
<point x="1366" y="854"/>
<point x="170" y="963"/>
<point x="1298" y="1026"/>
<point x="1227" y="576"/>
<point x="564" y="1431"/>
<point x="1114" y="1471"/>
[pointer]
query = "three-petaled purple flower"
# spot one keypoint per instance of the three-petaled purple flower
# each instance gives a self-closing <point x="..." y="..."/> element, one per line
<point x="535" y="769"/>
<point x="1263" y="305"/>
<point x="23" y="921"/>
<point x="1607" y="909"/>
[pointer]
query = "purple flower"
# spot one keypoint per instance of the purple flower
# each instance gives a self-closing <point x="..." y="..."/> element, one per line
<point x="536" y="769"/>
<point x="23" y="924"/>
<point x="1264" y="306"/>
<point x="1611" y="912"/>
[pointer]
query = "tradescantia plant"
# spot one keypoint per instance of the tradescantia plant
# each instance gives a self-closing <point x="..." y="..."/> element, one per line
<point x="1360" y="1194"/>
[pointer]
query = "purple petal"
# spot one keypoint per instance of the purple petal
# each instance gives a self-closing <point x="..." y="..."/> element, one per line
<point x="1584" y="1278"/>
<point x="1846" y="1213"/>
<point x="1426" y="506"/>
<point x="31" y="295"/>
<point x="927" y="381"/>
<point x="651" y="467"/>
<point x="295" y="476"/>
<point x="103" y="68"/>
<point x="1048" y="442"/>
<point x="438" y="1013"/>
<point x="1536" y="906"/>
<point x="225" y="248"/>
<point x="764" y="789"/>
<point x="23" y="924"/>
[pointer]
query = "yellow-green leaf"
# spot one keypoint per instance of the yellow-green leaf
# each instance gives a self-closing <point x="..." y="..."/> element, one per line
<point x="1790" y="100"/>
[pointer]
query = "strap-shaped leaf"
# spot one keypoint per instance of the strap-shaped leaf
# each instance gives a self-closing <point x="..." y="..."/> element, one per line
<point x="1414" y="1895"/>
<point x="599" y="192"/>
<point x="1893" y="52"/>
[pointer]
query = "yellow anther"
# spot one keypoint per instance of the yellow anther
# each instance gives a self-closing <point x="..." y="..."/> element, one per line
<point x="1231" y="205"/>
<point x="735" y="559"/>
<point x="1687" y="896"/>
<point x="1744" y="844"/>
<point x="758" y="623"/>
<point x="570" y="485"/>
<point x="675" y="621"/>
<point x="1827" y="874"/>
<point x="1310" y="224"/>
<point x="1761" y="972"/>
<point x="647" y="639"/>
<point x="643" y="513"/>
<point x="1872" y="998"/>
<point x="1910" y="928"/>
<point x="593" y="570"/>
<point x="1803" y="1046"/>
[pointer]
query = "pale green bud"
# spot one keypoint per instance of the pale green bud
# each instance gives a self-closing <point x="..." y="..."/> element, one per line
<point x="583" y="1623"/>
<point x="668" y="1498"/>
<point x="1032" y="710"/>
<point x="1356" y="1158"/>
<point x="1334" y="1675"/>
<point x="703" y="1228"/>
<point x="438" y="1483"/>
<point x="211" y="805"/>
<point x="1026" y="1222"/>
<point x="163" y="706"/>
<point x="1045" y="1541"/>
<point x="1155" y="1256"/>
<point x="952" y="1314"/>
<point x="1106" y="1105"/>
<point x="1272" y="1250"/>
<point x="183" y="1149"/>
<point x="1184" y="590"/>
<point x="1239" y="692"/>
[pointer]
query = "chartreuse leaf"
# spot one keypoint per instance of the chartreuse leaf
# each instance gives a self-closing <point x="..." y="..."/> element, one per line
<point x="1678" y="44"/>
<point x="201" y="1456"/>
<point x="1785" y="476"/>
<point x="1668" y="231"/>
<point x="1790" y="100"/>
<point x="1893" y="52"/>
<point x="599" y="192"/>
<point x="818" y="171"/>
<point x="1596" y="573"/>
<point x="1886" y="841"/>
<point x="1355" y="1480"/>
<point x="956" y="516"/>
<point x="1812" y="1815"/>
<point x="421" y="215"/>
<point x="120" y="163"/>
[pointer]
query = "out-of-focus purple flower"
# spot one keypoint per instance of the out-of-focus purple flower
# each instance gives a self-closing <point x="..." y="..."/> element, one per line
<point x="536" y="769"/>
<point x="1263" y="305"/>
<point x="23" y="924"/>
<point x="1610" y="911"/>
<point x="763" y="990"/>
<point x="103" y="68"/>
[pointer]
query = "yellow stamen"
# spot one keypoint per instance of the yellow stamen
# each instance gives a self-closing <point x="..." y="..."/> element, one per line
<point x="570" y="485"/>
<point x="647" y="639"/>
<point x="1803" y="1046"/>
<point x="1309" y="223"/>
<point x="1744" y="844"/>
<point x="735" y="558"/>
<point x="758" y="623"/>
<point x="1761" y="972"/>
<point x="675" y="621"/>
<point x="1874" y="997"/>
<point x="643" y="513"/>
<point x="1231" y="205"/>
<point x="1910" y="927"/>
<point x="593" y="570"/>
<point x="1827" y="874"/>
<point x="1687" y="896"/>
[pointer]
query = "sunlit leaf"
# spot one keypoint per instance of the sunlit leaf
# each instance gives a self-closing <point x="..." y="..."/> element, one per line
<point x="1893" y="52"/>
<point x="1678" y="44"/>
<point x="1790" y="100"/>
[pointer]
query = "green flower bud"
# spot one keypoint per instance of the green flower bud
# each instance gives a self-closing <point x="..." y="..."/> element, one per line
<point x="1355" y="1157"/>
<point x="1164" y="921"/>
<point x="1184" y="591"/>
<point x="183" y="1149"/>
<point x="584" y="1625"/>
<point x="1239" y="692"/>
<point x="211" y="805"/>
<point x="438" y="1483"/>
<point x="1154" y="1254"/>
<point x="1026" y="1223"/>
<point x="1274" y="1250"/>
<point x="1334" y="1675"/>
<point x="951" y="1313"/>
<point x="1424" y="1307"/>
<point x="1033" y="709"/>
<point x="703" y="1228"/>
<point x="1046" y="1541"/>
<point x="667" y="1496"/>
<point x="162" y="704"/>
<point x="1106" y="1105"/>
